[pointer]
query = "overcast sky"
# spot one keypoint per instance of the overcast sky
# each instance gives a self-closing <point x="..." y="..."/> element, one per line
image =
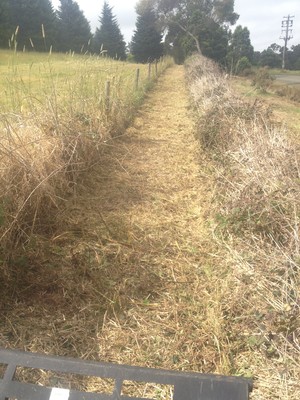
<point x="262" y="17"/>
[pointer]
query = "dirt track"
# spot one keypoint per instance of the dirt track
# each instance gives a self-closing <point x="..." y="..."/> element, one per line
<point x="154" y="203"/>
<point x="288" y="79"/>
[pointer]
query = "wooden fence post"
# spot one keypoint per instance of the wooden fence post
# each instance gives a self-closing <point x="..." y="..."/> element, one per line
<point x="149" y="71"/>
<point x="107" y="96"/>
<point x="156" y="71"/>
<point x="137" y="78"/>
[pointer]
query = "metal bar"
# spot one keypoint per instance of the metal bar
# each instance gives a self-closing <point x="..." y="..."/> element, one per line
<point x="187" y="386"/>
<point x="25" y="391"/>
<point x="8" y="376"/>
<point x="106" y="370"/>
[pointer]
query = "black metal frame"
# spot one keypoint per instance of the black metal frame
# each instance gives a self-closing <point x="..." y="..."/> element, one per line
<point x="187" y="386"/>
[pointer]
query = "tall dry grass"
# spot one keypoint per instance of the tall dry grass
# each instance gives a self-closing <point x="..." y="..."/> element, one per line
<point x="53" y="124"/>
<point x="254" y="221"/>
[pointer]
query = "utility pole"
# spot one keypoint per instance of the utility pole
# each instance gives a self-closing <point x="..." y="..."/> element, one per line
<point x="286" y="34"/>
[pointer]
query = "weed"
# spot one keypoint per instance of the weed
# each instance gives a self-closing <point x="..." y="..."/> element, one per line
<point x="262" y="79"/>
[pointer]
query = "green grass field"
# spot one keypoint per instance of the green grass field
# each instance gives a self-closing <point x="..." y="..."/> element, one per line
<point x="69" y="82"/>
<point x="278" y="71"/>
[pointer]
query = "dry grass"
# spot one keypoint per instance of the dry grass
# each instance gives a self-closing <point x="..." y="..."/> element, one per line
<point x="255" y="223"/>
<point x="292" y="93"/>
<point x="52" y="128"/>
<point x="129" y="278"/>
<point x="149" y="267"/>
<point x="283" y="110"/>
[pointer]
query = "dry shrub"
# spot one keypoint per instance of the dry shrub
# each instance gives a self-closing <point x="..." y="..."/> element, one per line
<point x="263" y="171"/>
<point x="291" y="92"/>
<point x="255" y="224"/>
<point x="262" y="80"/>
<point x="38" y="171"/>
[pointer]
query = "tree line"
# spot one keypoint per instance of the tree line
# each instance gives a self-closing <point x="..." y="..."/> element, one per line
<point x="272" y="57"/>
<point x="176" y="27"/>
<point x="35" y="25"/>
<point x="241" y="54"/>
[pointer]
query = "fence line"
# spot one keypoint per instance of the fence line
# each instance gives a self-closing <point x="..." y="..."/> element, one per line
<point x="154" y="70"/>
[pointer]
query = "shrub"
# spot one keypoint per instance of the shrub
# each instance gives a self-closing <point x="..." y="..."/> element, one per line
<point x="243" y="66"/>
<point x="291" y="92"/>
<point x="262" y="80"/>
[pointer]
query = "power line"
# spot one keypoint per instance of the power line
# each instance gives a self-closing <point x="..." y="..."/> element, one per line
<point x="286" y="31"/>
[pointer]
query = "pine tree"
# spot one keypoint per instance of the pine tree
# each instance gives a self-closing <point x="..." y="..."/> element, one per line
<point x="74" y="32"/>
<point x="108" y="37"/>
<point x="4" y="23"/>
<point x="146" y="42"/>
<point x="35" y="20"/>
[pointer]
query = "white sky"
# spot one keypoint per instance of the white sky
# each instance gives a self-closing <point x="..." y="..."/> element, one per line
<point x="262" y="17"/>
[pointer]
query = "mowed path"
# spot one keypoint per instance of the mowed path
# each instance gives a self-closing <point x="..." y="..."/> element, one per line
<point x="128" y="278"/>
<point x="152" y="203"/>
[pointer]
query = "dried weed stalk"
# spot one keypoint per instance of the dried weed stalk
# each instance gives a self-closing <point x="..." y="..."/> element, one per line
<point x="255" y="224"/>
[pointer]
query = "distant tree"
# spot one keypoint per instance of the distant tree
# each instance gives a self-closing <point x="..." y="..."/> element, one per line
<point x="256" y="58"/>
<point x="178" y="45"/>
<point x="74" y="32"/>
<point x="34" y="22"/>
<point x="108" y="37"/>
<point x="271" y="57"/>
<point x="214" y="40"/>
<point x="276" y="48"/>
<point x="293" y="58"/>
<point x="202" y="24"/>
<point x="239" y="47"/>
<point x="146" y="44"/>
<point x="4" y="23"/>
